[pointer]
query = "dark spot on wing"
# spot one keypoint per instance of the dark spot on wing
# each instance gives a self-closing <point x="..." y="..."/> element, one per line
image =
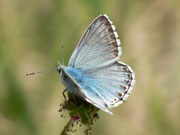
<point x="110" y="29"/>
<point x="102" y="18"/>
<point x="127" y="82"/>
<point x="129" y="76"/>
<point x="119" y="94"/>
<point x="106" y="105"/>
<point x="124" y="87"/>
<point x="107" y="23"/>
<point x="112" y="36"/>
<point x="114" y="43"/>
<point x="125" y="68"/>
<point x="126" y="93"/>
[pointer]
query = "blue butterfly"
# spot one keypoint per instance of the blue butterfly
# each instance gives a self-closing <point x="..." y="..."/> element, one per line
<point x="94" y="72"/>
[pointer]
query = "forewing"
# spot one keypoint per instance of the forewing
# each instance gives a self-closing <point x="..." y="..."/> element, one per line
<point x="98" y="47"/>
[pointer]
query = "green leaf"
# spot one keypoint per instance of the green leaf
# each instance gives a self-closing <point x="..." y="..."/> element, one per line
<point x="84" y="117"/>
<point x="71" y="106"/>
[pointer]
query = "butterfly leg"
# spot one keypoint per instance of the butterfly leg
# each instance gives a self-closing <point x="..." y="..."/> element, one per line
<point x="64" y="94"/>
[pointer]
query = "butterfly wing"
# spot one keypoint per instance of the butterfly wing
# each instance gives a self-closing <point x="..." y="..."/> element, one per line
<point x="108" y="82"/>
<point x="98" y="47"/>
<point x="113" y="84"/>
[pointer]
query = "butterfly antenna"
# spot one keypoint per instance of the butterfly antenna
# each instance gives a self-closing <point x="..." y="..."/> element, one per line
<point x="33" y="73"/>
<point x="58" y="62"/>
<point x="62" y="53"/>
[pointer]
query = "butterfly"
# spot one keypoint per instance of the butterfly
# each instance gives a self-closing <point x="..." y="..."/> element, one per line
<point x="94" y="71"/>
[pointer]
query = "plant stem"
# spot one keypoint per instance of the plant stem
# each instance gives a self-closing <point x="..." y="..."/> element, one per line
<point x="66" y="128"/>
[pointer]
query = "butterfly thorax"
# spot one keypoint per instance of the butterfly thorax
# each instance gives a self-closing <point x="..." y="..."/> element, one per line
<point x="68" y="76"/>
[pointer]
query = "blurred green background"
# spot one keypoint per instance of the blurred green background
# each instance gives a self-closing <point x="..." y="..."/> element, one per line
<point x="30" y="36"/>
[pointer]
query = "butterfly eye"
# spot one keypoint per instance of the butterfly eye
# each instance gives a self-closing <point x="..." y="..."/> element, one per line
<point x="58" y="68"/>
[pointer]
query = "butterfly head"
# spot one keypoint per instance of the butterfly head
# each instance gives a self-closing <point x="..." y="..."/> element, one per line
<point x="58" y="68"/>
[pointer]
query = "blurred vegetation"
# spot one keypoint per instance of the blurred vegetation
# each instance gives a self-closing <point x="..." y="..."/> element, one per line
<point x="30" y="35"/>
